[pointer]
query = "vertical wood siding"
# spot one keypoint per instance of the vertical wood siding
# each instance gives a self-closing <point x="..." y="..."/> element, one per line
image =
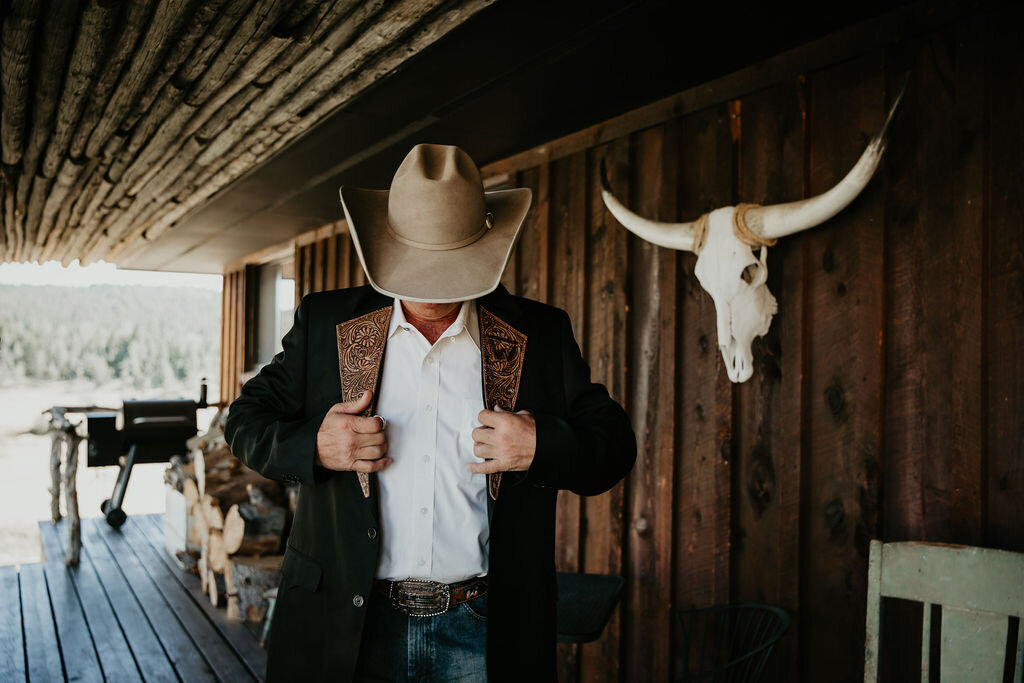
<point x="238" y="348"/>
<point x="886" y="401"/>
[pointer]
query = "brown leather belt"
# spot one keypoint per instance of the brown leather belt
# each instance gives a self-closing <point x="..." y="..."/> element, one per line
<point x="426" y="598"/>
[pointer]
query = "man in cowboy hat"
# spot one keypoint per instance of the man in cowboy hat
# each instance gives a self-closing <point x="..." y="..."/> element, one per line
<point x="430" y="419"/>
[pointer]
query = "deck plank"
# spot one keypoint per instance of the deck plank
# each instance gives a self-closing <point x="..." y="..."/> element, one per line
<point x="109" y="639"/>
<point x="42" y="650"/>
<point x="53" y="546"/>
<point x="12" y="645"/>
<point x="239" y="635"/>
<point x="80" y="659"/>
<point x="125" y="580"/>
<point x="208" y="640"/>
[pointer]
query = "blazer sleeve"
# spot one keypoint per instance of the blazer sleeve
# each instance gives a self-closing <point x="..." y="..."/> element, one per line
<point x="267" y="427"/>
<point x="591" y="447"/>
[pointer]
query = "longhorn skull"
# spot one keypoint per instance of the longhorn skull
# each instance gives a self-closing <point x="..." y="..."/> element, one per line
<point x="725" y="238"/>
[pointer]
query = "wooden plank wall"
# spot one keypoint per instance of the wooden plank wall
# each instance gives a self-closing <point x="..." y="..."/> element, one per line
<point x="238" y="343"/>
<point x="886" y="400"/>
<point x="328" y="262"/>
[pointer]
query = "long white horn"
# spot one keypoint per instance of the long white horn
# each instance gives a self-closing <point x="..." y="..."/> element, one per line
<point x="779" y="220"/>
<point x="669" y="235"/>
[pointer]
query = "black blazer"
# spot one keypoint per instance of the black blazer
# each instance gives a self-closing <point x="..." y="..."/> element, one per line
<point x="584" y="444"/>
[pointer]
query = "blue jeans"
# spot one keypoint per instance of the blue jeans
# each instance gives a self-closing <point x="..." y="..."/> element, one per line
<point x="447" y="647"/>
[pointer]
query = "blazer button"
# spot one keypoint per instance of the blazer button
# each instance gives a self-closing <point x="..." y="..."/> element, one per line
<point x="371" y="533"/>
<point x="357" y="600"/>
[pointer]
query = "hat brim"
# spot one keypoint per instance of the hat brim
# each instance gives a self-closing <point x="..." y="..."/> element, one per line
<point x="406" y="272"/>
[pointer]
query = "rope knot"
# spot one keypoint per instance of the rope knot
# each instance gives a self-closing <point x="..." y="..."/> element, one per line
<point x="739" y="228"/>
<point x="742" y="230"/>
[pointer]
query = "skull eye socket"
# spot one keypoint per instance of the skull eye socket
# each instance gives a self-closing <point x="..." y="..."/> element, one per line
<point x="749" y="273"/>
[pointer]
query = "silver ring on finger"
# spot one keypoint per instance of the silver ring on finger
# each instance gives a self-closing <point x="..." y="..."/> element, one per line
<point x="383" y="422"/>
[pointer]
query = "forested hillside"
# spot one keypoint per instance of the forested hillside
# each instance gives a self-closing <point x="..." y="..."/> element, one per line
<point x="142" y="336"/>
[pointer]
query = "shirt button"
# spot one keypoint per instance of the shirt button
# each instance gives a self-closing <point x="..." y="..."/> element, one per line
<point x="419" y="564"/>
<point x="357" y="600"/>
<point x="423" y="511"/>
<point x="429" y="407"/>
<point x="371" y="533"/>
<point x="426" y="458"/>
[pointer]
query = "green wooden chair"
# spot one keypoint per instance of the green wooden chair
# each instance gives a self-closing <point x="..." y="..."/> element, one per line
<point x="979" y="591"/>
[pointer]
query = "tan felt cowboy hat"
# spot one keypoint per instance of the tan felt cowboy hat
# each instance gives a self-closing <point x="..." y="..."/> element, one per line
<point x="435" y="236"/>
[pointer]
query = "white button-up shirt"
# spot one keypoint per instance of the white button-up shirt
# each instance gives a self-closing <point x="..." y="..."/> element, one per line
<point x="433" y="510"/>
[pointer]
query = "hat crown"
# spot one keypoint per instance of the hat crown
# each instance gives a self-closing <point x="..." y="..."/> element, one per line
<point x="437" y="198"/>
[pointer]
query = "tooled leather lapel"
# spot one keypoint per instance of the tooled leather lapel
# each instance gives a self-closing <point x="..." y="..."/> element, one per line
<point x="360" y="352"/>
<point x="502" y="352"/>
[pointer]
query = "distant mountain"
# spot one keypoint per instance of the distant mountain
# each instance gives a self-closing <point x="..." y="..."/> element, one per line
<point x="142" y="336"/>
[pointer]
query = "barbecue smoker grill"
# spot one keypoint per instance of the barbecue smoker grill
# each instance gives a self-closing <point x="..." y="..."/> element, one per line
<point x="153" y="431"/>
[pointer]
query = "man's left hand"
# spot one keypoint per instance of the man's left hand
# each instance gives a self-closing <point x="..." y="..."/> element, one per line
<point x="506" y="441"/>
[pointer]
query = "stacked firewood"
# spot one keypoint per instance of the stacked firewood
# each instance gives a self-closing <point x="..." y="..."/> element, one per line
<point x="238" y="520"/>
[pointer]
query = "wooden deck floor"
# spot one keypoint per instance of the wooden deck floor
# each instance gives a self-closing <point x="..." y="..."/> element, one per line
<point x="126" y="613"/>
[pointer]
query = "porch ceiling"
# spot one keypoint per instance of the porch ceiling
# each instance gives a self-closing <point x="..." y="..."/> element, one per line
<point x="121" y="117"/>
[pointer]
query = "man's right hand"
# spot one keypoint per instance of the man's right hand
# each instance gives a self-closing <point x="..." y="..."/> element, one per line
<point x="346" y="441"/>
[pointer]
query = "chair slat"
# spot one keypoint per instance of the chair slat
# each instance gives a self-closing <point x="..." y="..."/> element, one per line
<point x="963" y="577"/>
<point x="926" y="639"/>
<point x="873" y="614"/>
<point x="1018" y="672"/>
<point x="973" y="645"/>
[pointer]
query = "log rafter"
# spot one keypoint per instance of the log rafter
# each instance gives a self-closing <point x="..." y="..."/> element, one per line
<point x="119" y="117"/>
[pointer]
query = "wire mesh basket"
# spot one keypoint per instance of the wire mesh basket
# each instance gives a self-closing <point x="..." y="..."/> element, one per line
<point x="729" y="643"/>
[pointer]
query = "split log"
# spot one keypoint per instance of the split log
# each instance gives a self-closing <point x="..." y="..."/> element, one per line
<point x="81" y="225"/>
<point x="144" y="130"/>
<point x="234" y="491"/>
<point x="231" y="592"/>
<point x="58" y="27"/>
<point x="131" y="24"/>
<point x="215" y="587"/>
<point x="184" y="45"/>
<point x="59" y="233"/>
<point x="16" y="40"/>
<point x="33" y="212"/>
<point x="179" y="470"/>
<point x="64" y="181"/>
<point x="191" y="493"/>
<point x="188" y="560"/>
<point x="216" y="552"/>
<point x="12" y="234"/>
<point x="211" y="43"/>
<point x="92" y="41"/>
<point x="213" y="434"/>
<point x="302" y="18"/>
<point x="252" y="577"/>
<point x="234" y="530"/>
<point x="211" y="512"/>
<point x="167" y="21"/>
<point x="244" y="38"/>
<point x="223" y="476"/>
<point x="254" y="528"/>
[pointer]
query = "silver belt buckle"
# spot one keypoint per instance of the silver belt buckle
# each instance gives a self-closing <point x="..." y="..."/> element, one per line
<point x="420" y="597"/>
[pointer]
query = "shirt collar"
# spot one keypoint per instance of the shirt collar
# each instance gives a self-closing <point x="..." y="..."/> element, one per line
<point x="467" y="320"/>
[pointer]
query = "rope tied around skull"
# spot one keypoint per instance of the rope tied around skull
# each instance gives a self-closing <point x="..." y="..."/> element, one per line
<point x="739" y="228"/>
